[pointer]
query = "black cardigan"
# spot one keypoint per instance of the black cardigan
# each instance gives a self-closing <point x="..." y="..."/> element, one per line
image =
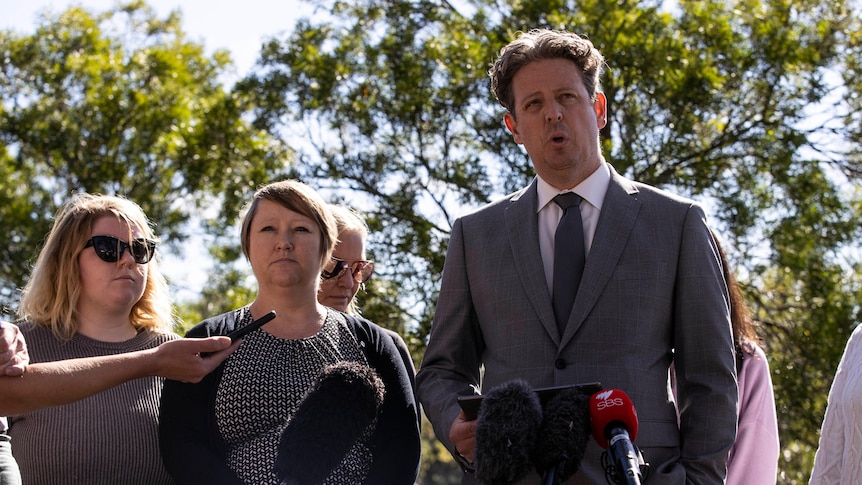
<point x="194" y="451"/>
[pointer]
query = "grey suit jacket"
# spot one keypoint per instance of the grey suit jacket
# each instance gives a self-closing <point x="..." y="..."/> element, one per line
<point x="652" y="293"/>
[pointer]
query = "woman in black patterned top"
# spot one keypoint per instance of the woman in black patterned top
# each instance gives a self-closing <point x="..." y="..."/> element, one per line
<point x="227" y="428"/>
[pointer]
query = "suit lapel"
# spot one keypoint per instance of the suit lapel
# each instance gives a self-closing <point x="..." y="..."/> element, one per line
<point x="522" y="229"/>
<point x="618" y="216"/>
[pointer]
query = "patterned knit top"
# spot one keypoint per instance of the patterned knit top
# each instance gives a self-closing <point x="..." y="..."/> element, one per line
<point x="263" y="384"/>
<point x="108" y="438"/>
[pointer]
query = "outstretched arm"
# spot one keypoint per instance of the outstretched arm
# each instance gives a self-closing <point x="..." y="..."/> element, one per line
<point x="60" y="382"/>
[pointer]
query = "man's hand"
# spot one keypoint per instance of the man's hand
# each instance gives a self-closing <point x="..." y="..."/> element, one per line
<point x="13" y="350"/>
<point x="181" y="360"/>
<point x="462" y="434"/>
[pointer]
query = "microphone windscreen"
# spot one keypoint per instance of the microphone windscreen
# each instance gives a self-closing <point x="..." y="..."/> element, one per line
<point x="612" y="406"/>
<point x="506" y="430"/>
<point x="563" y="434"/>
<point x="334" y="414"/>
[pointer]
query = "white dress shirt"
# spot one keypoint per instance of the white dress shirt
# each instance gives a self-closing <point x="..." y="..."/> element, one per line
<point x="592" y="190"/>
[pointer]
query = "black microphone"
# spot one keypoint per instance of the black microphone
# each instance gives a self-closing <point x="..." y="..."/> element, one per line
<point x="506" y="430"/>
<point x="563" y="436"/>
<point x="332" y="417"/>
<point x="615" y="426"/>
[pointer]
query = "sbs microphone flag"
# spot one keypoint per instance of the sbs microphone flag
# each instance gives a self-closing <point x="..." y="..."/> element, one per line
<point x="615" y="427"/>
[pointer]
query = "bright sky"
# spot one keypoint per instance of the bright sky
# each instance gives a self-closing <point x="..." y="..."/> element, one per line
<point x="237" y="26"/>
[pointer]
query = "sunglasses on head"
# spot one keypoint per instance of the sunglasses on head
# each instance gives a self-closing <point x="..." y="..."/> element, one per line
<point x="111" y="249"/>
<point x="360" y="270"/>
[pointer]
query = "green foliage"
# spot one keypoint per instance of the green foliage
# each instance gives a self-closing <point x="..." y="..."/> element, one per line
<point x="118" y="103"/>
<point x="438" y="466"/>
<point x="229" y="290"/>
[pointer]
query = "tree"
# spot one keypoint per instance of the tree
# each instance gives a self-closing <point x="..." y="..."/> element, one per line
<point x="118" y="103"/>
<point x="709" y="99"/>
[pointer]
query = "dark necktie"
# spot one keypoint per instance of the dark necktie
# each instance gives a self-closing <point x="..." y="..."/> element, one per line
<point x="569" y="257"/>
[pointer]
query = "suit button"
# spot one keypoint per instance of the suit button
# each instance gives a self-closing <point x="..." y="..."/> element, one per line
<point x="560" y="364"/>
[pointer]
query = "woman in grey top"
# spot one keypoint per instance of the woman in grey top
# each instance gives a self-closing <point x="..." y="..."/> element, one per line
<point x="95" y="290"/>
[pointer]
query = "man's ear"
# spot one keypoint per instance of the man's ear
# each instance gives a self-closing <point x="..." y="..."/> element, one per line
<point x="512" y="126"/>
<point x="601" y="107"/>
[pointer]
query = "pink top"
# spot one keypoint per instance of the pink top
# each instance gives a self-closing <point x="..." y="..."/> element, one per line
<point x="753" y="459"/>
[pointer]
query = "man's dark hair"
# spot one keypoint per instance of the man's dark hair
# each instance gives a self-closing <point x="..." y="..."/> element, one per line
<point x="539" y="44"/>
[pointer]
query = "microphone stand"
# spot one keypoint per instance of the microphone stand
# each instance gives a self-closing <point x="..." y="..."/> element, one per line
<point x="613" y="475"/>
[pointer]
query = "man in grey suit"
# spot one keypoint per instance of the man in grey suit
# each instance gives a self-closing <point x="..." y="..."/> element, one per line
<point x="652" y="292"/>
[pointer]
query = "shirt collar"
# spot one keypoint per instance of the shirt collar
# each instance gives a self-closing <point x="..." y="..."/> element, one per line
<point x="592" y="189"/>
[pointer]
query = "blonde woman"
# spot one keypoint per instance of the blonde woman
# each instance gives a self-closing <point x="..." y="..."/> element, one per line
<point x="348" y="270"/>
<point x="95" y="290"/>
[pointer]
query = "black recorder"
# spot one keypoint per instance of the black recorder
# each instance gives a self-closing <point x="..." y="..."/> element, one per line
<point x="242" y="331"/>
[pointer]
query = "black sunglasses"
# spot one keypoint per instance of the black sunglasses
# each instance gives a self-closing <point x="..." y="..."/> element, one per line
<point x="111" y="249"/>
<point x="360" y="270"/>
